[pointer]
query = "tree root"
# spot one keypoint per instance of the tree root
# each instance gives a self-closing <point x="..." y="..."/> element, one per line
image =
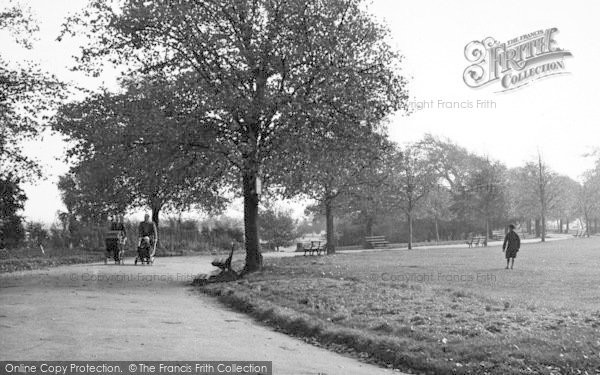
<point x="222" y="277"/>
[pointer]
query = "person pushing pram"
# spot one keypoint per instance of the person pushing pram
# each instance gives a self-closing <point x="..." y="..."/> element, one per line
<point x="148" y="237"/>
<point x="115" y="240"/>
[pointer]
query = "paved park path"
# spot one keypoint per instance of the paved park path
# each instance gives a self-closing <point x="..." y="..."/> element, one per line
<point x="108" y="312"/>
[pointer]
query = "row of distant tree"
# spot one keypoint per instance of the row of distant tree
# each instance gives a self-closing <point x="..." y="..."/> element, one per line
<point x="453" y="193"/>
<point x="176" y="235"/>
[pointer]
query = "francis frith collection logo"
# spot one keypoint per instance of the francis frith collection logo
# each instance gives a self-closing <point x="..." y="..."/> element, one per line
<point x="515" y="63"/>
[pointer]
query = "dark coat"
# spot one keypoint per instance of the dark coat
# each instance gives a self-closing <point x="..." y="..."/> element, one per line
<point x="148" y="229"/>
<point x="512" y="244"/>
<point x="120" y="227"/>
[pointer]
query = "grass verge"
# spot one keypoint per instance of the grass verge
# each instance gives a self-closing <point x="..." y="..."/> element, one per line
<point x="19" y="262"/>
<point x="24" y="264"/>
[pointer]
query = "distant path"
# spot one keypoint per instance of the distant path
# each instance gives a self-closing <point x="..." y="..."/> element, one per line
<point x="554" y="237"/>
<point x="99" y="312"/>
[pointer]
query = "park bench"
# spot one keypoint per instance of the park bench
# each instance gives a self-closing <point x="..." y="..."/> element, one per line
<point x="476" y="241"/>
<point x="376" y="241"/>
<point x="498" y="235"/>
<point x="314" y="246"/>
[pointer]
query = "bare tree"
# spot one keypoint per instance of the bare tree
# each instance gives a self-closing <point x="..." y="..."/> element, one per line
<point x="547" y="192"/>
<point x="437" y="205"/>
<point x="412" y="177"/>
<point x="589" y="198"/>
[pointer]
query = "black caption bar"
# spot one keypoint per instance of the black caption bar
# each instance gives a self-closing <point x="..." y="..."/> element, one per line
<point x="136" y="367"/>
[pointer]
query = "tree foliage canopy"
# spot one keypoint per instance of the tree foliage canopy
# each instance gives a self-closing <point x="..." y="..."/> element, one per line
<point x="26" y="94"/>
<point x="260" y="73"/>
<point x="12" y="200"/>
<point x="128" y="155"/>
<point x="278" y="228"/>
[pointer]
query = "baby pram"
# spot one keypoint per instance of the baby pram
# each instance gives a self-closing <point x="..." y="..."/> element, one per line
<point x="115" y="246"/>
<point x="146" y="250"/>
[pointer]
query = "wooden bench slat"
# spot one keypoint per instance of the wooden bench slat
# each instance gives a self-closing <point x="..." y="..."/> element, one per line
<point x="314" y="246"/>
<point x="477" y="240"/>
<point x="377" y="241"/>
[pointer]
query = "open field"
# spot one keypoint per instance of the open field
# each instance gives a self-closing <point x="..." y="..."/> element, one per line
<point x="453" y="310"/>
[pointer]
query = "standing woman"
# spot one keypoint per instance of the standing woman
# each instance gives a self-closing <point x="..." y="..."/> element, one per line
<point x="512" y="244"/>
<point x="119" y="225"/>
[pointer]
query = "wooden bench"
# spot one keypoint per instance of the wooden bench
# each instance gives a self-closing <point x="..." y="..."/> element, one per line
<point x="476" y="241"/>
<point x="376" y="241"/>
<point x="498" y="235"/>
<point x="314" y="246"/>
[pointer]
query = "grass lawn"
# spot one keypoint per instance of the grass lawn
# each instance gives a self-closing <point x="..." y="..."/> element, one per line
<point x="439" y="311"/>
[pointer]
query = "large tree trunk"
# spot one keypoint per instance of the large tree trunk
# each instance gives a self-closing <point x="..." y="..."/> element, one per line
<point x="529" y="229"/>
<point x="437" y="228"/>
<point x="369" y="226"/>
<point x="543" y="227"/>
<point x="156" y="215"/>
<point x="156" y="219"/>
<point x="537" y="228"/>
<point x="410" y="229"/>
<point x="567" y="227"/>
<point x="560" y="226"/>
<point x="330" y="237"/>
<point x="253" y="254"/>
<point x="587" y="226"/>
<point x="543" y="199"/>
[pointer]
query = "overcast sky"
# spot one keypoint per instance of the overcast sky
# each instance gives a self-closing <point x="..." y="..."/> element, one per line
<point x="558" y="116"/>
